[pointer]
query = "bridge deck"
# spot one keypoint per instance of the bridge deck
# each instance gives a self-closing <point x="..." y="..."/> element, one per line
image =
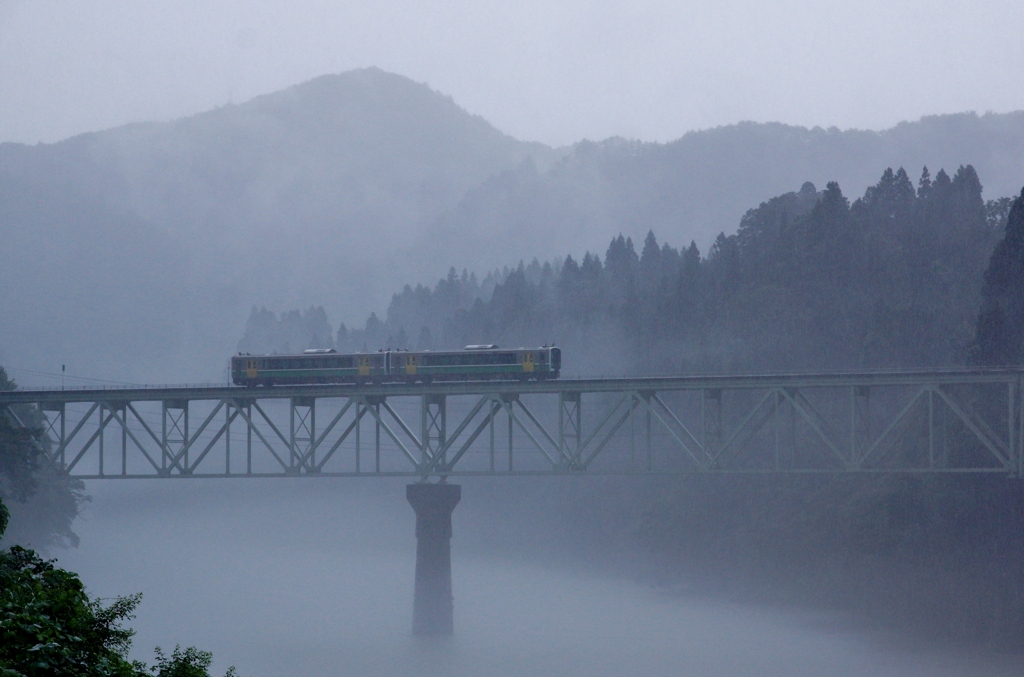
<point x="878" y="378"/>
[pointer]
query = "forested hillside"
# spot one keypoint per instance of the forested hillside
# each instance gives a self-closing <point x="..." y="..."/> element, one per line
<point x="145" y="246"/>
<point x="134" y="253"/>
<point x="701" y="184"/>
<point x="808" y="281"/>
<point x="904" y="276"/>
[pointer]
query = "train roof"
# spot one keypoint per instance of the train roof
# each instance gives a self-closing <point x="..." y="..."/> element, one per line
<point x="332" y="351"/>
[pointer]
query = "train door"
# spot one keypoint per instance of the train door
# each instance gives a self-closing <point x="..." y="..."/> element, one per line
<point x="364" y="365"/>
<point x="528" y="362"/>
<point x="410" y="365"/>
<point x="250" y="369"/>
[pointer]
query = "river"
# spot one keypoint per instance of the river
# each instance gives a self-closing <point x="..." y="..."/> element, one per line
<point x="314" y="577"/>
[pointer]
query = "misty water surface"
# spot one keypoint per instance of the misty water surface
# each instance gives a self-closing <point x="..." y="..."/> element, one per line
<point x="314" y="577"/>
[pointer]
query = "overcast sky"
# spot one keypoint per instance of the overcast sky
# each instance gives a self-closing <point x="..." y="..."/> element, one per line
<point x="549" y="71"/>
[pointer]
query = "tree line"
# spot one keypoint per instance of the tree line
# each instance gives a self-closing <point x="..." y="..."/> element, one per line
<point x="905" y="275"/>
<point x="808" y="281"/>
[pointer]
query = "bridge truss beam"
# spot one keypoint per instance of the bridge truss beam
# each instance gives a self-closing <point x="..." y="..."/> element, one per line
<point x="949" y="421"/>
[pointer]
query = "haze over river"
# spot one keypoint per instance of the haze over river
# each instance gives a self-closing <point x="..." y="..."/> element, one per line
<point x="314" y="577"/>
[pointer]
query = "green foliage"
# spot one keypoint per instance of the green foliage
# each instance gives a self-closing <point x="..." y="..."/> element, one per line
<point x="190" y="662"/>
<point x="19" y="457"/>
<point x="50" y="628"/>
<point x="43" y="500"/>
<point x="809" y="280"/>
<point x="999" y="335"/>
<point x="997" y="212"/>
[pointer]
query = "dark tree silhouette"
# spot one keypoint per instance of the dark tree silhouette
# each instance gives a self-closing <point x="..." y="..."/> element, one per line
<point x="1000" y="331"/>
<point x="43" y="500"/>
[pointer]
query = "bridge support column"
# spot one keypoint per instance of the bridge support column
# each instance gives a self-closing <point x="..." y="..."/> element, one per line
<point x="433" y="604"/>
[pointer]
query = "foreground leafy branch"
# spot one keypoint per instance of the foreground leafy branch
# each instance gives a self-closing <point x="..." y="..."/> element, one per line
<point x="49" y="626"/>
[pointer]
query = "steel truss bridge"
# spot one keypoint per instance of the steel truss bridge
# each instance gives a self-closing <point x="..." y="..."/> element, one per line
<point x="936" y="421"/>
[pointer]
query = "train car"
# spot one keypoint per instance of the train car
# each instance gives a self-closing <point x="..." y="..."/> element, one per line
<point x="474" y="363"/>
<point x="312" y="366"/>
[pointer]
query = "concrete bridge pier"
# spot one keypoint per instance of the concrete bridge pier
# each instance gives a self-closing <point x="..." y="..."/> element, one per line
<point x="433" y="604"/>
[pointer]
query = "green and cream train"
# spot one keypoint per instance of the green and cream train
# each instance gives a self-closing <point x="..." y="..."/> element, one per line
<point x="474" y="363"/>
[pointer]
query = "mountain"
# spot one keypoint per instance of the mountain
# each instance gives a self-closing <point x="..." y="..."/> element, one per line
<point x="703" y="183"/>
<point x="165" y="233"/>
<point x="135" y="253"/>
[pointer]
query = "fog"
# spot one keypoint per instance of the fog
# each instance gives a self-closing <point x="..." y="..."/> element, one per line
<point x="156" y="240"/>
<point x="314" y="577"/>
<point x="657" y="188"/>
<point x="648" y="70"/>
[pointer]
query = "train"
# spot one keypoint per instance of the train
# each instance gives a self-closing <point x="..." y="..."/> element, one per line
<point x="472" y="363"/>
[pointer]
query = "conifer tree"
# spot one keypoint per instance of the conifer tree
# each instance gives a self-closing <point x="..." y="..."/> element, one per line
<point x="999" y="339"/>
